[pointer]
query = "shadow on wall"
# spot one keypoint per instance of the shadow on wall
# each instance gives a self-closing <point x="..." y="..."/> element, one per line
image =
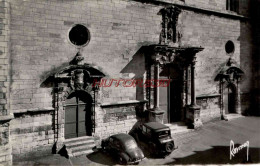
<point x="220" y="155"/>
<point x="137" y="66"/>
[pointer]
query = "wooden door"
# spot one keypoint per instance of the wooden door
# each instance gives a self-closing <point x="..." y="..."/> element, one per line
<point x="75" y="117"/>
<point x="175" y="101"/>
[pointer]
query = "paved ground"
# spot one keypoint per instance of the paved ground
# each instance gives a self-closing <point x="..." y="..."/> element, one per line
<point x="210" y="145"/>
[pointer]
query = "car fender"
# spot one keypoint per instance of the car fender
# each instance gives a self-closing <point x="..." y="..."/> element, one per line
<point x="124" y="156"/>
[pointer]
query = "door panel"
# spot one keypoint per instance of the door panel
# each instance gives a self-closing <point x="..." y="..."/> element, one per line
<point x="75" y="118"/>
<point x="175" y="101"/>
<point x="163" y="102"/>
<point x="70" y="122"/>
<point x="231" y="102"/>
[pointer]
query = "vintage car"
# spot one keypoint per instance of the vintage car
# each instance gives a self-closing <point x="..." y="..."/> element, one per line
<point x="157" y="136"/>
<point x="124" y="148"/>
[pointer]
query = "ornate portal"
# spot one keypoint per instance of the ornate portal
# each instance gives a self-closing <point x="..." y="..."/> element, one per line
<point x="229" y="77"/>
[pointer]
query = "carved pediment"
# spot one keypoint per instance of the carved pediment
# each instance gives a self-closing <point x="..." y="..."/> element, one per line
<point x="164" y="54"/>
<point x="230" y="72"/>
<point x="76" y="74"/>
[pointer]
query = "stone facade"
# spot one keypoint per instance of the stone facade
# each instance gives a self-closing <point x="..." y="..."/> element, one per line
<point x="34" y="45"/>
<point x="32" y="134"/>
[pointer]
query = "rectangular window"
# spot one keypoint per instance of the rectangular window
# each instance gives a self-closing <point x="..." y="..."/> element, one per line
<point x="232" y="5"/>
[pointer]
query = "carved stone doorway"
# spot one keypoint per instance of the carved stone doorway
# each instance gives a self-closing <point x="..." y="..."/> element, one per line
<point x="78" y="115"/>
<point x="229" y="99"/>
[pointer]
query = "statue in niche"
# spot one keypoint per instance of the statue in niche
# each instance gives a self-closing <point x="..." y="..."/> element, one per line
<point x="169" y="32"/>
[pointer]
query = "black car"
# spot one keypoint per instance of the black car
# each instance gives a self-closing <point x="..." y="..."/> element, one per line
<point x="124" y="147"/>
<point x="157" y="136"/>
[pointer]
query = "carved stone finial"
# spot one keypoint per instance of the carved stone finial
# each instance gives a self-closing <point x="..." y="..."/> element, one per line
<point x="78" y="59"/>
<point x="231" y="62"/>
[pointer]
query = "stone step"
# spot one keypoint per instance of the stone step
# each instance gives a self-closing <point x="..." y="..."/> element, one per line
<point x="80" y="146"/>
<point x="178" y="128"/>
<point x="233" y="116"/>
<point x="72" y="140"/>
<point x="83" y="142"/>
<point x="84" y="152"/>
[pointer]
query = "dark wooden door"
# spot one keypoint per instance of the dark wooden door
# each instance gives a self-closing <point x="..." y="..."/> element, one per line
<point x="175" y="101"/>
<point x="170" y="97"/>
<point x="231" y="101"/>
<point x="75" y="118"/>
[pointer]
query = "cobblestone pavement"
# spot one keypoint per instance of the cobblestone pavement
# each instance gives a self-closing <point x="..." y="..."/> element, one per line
<point x="209" y="145"/>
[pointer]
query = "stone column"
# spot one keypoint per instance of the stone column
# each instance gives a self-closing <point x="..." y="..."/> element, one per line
<point x="186" y="85"/>
<point x="193" y="96"/>
<point x="156" y="114"/>
<point x="223" y="114"/>
<point x="238" y="100"/>
<point x="156" y="88"/>
<point x="194" y="110"/>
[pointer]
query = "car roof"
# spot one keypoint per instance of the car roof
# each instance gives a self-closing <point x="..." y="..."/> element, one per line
<point x="156" y="125"/>
<point x="122" y="137"/>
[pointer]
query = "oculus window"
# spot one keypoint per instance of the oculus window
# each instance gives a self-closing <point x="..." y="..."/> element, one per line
<point x="79" y="35"/>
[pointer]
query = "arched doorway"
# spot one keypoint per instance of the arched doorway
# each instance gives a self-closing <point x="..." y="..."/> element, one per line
<point x="78" y="115"/>
<point x="229" y="99"/>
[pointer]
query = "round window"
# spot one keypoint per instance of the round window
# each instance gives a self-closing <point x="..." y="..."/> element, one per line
<point x="229" y="47"/>
<point x="79" y="35"/>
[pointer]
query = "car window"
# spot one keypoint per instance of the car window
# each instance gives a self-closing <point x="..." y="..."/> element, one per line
<point x="117" y="144"/>
<point x="163" y="133"/>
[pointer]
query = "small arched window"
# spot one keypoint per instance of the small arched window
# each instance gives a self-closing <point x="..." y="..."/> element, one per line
<point x="232" y="5"/>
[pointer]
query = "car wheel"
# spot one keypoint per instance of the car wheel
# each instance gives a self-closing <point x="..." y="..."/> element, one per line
<point x="122" y="161"/>
<point x="169" y="147"/>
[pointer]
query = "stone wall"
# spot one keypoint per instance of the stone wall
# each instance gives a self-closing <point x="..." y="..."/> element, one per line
<point x="212" y="33"/>
<point x="32" y="134"/>
<point x="115" y="119"/>
<point x="5" y="116"/>
<point x="39" y="40"/>
<point x="210" y="108"/>
<point x="219" y="5"/>
<point x="5" y="146"/>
